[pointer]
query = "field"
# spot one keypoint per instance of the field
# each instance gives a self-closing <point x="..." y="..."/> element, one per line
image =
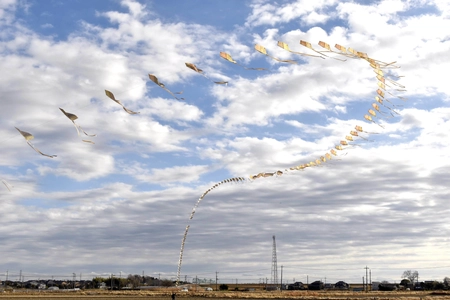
<point x="166" y="295"/>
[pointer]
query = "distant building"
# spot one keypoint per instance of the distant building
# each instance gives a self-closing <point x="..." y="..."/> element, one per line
<point x="296" y="286"/>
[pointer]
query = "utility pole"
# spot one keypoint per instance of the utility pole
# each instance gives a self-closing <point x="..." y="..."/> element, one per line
<point x="281" y="279"/>
<point x="120" y="279"/>
<point x="367" y="283"/>
<point x="216" y="281"/>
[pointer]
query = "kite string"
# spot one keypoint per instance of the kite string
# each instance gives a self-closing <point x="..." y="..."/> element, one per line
<point x="299" y="167"/>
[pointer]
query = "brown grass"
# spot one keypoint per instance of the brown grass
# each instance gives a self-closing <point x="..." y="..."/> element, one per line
<point x="166" y="295"/>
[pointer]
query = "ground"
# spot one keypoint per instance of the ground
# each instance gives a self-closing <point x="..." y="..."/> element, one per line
<point x="166" y="295"/>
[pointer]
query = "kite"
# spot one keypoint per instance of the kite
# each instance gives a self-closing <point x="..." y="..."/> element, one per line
<point x="323" y="45"/>
<point x="355" y="133"/>
<point x="200" y="71"/>
<point x="28" y="137"/>
<point x="72" y="118"/>
<point x="286" y="47"/>
<point x="8" y="186"/>
<point x="372" y="112"/>
<point x="382" y="95"/>
<point x="111" y="96"/>
<point x="227" y="56"/>
<point x="377" y="108"/>
<point x="379" y="100"/>
<point x="360" y="129"/>
<point x="369" y="118"/>
<point x="328" y="48"/>
<point x="155" y="80"/>
<point x="343" y="51"/>
<point x="263" y="50"/>
<point x="383" y="80"/>
<point x="377" y="64"/>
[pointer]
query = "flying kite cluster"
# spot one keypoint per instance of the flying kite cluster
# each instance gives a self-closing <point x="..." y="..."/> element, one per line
<point x="72" y="117"/>
<point x="386" y="84"/>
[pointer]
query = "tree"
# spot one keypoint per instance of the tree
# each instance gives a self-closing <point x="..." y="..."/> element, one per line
<point x="166" y="282"/>
<point x="447" y="282"/>
<point x="411" y="275"/>
<point x="223" y="287"/>
<point x="134" y="280"/>
<point x="405" y="282"/>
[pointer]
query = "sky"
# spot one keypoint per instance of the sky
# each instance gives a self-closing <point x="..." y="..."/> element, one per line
<point x="120" y="203"/>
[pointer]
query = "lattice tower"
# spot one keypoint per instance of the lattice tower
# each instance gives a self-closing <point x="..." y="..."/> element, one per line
<point x="274" y="277"/>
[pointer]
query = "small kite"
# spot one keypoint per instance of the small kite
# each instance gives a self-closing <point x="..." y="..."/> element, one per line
<point x="263" y="50"/>
<point x="328" y="48"/>
<point x="28" y="137"/>
<point x="369" y="118"/>
<point x="379" y="100"/>
<point x="383" y="80"/>
<point x="360" y="129"/>
<point x="355" y="133"/>
<point x="382" y="94"/>
<point x="343" y="51"/>
<point x="377" y="108"/>
<point x="200" y="71"/>
<point x="72" y="118"/>
<point x="111" y="96"/>
<point x="155" y="80"/>
<point x="377" y="64"/>
<point x="228" y="57"/>
<point x="323" y="45"/>
<point x="8" y="186"/>
<point x="286" y="47"/>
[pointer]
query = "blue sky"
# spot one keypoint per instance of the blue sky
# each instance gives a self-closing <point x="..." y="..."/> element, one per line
<point x="122" y="203"/>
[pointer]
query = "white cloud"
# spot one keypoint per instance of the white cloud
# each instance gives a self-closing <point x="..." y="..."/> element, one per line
<point x="166" y="175"/>
<point x="47" y="25"/>
<point x="173" y="110"/>
<point x="264" y="13"/>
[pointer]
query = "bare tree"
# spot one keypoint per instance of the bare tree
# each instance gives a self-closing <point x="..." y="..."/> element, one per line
<point x="411" y="276"/>
<point x="134" y="280"/>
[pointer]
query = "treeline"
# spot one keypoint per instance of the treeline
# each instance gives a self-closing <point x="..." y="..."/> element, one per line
<point x="111" y="282"/>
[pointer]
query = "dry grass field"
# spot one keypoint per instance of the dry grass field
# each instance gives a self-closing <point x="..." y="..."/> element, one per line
<point x="166" y="295"/>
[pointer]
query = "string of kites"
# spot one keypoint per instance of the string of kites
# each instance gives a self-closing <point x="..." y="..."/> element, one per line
<point x="386" y="82"/>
